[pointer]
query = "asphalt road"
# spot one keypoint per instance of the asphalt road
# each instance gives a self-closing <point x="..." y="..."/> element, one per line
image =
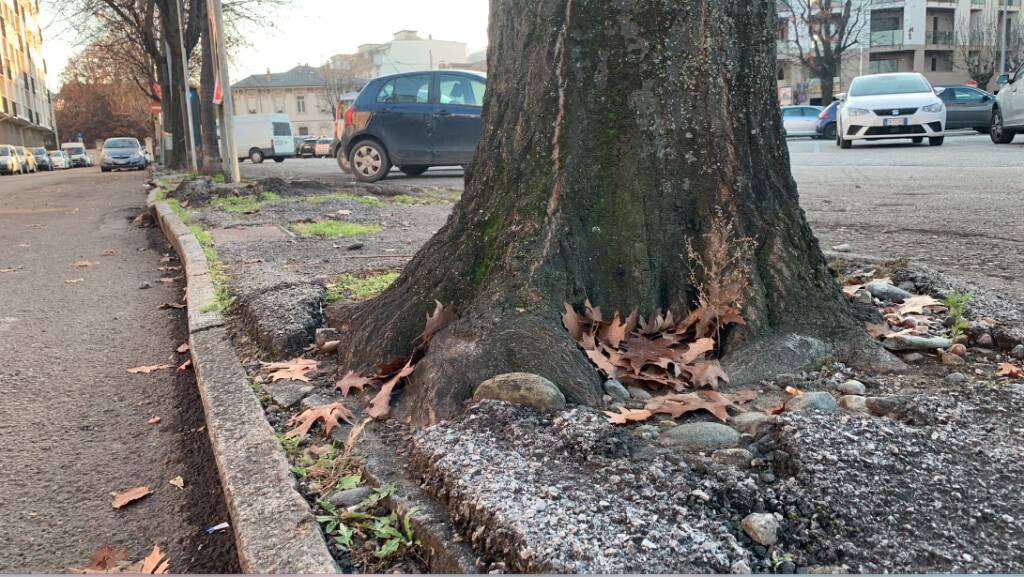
<point x="957" y="207"/>
<point x="73" y="421"/>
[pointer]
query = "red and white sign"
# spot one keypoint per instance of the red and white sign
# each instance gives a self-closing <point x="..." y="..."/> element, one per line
<point x="156" y="108"/>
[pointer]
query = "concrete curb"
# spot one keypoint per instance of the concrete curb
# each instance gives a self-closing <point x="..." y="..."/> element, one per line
<point x="275" y="531"/>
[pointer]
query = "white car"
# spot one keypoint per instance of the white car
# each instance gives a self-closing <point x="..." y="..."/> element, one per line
<point x="1008" y="110"/>
<point x="801" y="120"/>
<point x="886" y="106"/>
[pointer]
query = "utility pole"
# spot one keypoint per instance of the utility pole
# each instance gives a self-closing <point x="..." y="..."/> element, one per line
<point x="188" y="91"/>
<point x="227" y="108"/>
<point x="1002" y="38"/>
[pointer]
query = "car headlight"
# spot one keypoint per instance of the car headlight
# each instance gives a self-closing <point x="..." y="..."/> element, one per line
<point x="857" y="111"/>
<point x="937" y="107"/>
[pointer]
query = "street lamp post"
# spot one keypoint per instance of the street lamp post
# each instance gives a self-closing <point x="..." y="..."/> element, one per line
<point x="1002" y="38"/>
<point x="227" y="108"/>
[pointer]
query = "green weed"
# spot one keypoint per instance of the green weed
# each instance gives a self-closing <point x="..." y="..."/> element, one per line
<point x="956" y="302"/>
<point x="348" y="287"/>
<point x="391" y="533"/>
<point x="219" y="179"/>
<point x="335" y="229"/>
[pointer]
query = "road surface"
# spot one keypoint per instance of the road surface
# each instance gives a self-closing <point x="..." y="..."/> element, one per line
<point x="73" y="421"/>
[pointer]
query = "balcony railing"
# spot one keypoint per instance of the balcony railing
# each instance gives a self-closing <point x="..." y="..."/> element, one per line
<point x="883" y="66"/>
<point x="886" y="2"/>
<point x="887" y="39"/>
<point x="939" y="38"/>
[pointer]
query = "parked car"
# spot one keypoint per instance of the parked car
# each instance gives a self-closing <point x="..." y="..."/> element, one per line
<point x="307" y="148"/>
<point x="413" y="121"/>
<point x="262" y="136"/>
<point x="323" y="147"/>
<point x="801" y="120"/>
<point x="28" y="160"/>
<point x="826" y="125"/>
<point x="966" y="107"/>
<point x="1008" y="109"/>
<point x="43" y="161"/>
<point x="10" y="163"/>
<point x="77" y="154"/>
<point x="122" y="153"/>
<point x="58" y="159"/>
<point x="886" y="106"/>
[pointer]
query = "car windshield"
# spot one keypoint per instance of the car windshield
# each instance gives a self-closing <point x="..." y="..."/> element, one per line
<point x="4" y="151"/>
<point x="121" y="143"/>
<point x="76" y="150"/>
<point x="39" y="151"/>
<point x="55" y="154"/>
<point x="879" y="85"/>
<point x="324" y="141"/>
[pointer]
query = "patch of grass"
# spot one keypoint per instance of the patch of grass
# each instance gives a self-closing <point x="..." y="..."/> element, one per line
<point x="242" y="204"/>
<point x="335" y="229"/>
<point x="219" y="179"/>
<point x="325" y="198"/>
<point x="390" y="533"/>
<point x="222" y="299"/>
<point x="956" y="302"/>
<point x="348" y="287"/>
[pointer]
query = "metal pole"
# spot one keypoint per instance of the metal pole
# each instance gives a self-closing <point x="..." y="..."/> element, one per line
<point x="188" y="91"/>
<point x="228" y="126"/>
<point x="1002" y="39"/>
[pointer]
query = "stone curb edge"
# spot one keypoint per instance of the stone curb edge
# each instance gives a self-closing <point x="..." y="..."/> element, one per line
<point x="275" y="531"/>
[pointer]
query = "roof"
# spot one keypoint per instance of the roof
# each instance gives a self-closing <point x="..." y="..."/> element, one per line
<point x="300" y="76"/>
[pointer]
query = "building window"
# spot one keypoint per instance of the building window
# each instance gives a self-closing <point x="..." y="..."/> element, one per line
<point x="303" y="131"/>
<point x="884" y="66"/>
<point x="300" y="104"/>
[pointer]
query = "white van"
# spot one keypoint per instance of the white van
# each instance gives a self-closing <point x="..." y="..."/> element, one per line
<point x="77" y="154"/>
<point x="262" y="136"/>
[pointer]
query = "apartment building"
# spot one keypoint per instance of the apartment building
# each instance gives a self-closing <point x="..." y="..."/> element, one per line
<point x="929" y="36"/>
<point x="26" y="106"/>
<point x="301" y="93"/>
<point x="406" y="52"/>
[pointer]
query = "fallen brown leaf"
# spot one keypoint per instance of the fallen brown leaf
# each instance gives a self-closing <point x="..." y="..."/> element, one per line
<point x="917" y="304"/>
<point x="129" y="496"/>
<point x="626" y="416"/>
<point x="330" y="414"/>
<point x="148" y="369"/>
<point x="178" y="306"/>
<point x="183" y="348"/>
<point x="178" y="482"/>
<point x="108" y="252"/>
<point x="436" y="321"/>
<point x="1010" y="370"/>
<point x="878" y="331"/>
<point x="154" y="421"/>
<point x="104" y="560"/>
<point x="351" y="381"/>
<point x="380" y="405"/>
<point x="8" y="270"/>
<point x="328" y="347"/>
<point x="156" y="563"/>
<point x="74" y="280"/>
<point x="712" y="401"/>
<point x="166" y="280"/>
<point x="84" y="263"/>
<point x="293" y="370"/>
<point x="184" y="366"/>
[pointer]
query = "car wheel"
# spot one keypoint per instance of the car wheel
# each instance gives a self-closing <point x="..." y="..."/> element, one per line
<point x="104" y="169"/>
<point x="830" y="131"/>
<point x="343" y="160"/>
<point x="256" y="156"/>
<point x="998" y="133"/>
<point x="278" y="159"/>
<point x="936" y="141"/>
<point x="917" y="139"/>
<point x="413" y="170"/>
<point x="842" y="142"/>
<point x="369" y="161"/>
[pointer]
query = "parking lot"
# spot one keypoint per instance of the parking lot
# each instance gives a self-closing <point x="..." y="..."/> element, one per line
<point x="958" y="207"/>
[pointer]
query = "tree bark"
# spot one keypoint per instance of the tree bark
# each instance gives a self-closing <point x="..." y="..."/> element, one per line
<point x="827" y="88"/>
<point x="174" y="87"/>
<point x="207" y="113"/>
<point x="614" y="132"/>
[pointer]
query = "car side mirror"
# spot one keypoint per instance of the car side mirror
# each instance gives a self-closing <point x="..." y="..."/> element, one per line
<point x="938" y="90"/>
<point x="841" y="97"/>
<point x="1003" y="80"/>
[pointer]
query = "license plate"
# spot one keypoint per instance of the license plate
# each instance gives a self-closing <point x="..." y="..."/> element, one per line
<point x="894" y="122"/>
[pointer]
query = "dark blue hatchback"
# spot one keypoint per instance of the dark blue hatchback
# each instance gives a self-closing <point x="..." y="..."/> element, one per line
<point x="413" y="121"/>
<point x="827" y="121"/>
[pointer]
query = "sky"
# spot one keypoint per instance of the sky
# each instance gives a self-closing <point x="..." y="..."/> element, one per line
<point x="311" y="31"/>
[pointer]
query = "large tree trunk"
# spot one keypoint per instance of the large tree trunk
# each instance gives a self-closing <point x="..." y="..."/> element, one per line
<point x="174" y="89"/>
<point x="827" y="88"/>
<point x="614" y="132"/>
<point x="207" y="109"/>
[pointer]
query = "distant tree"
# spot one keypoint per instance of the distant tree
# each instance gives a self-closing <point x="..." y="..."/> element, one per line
<point x="978" y="47"/>
<point x="100" y="99"/>
<point x="821" y="33"/>
<point x="337" y="83"/>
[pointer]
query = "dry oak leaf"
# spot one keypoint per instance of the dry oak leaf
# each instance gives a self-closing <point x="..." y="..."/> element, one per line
<point x="83" y="263"/>
<point x="878" y="331"/>
<point x="108" y="252"/>
<point x="712" y="401"/>
<point x="851" y="290"/>
<point x="706" y="374"/>
<point x="697" y="350"/>
<point x="148" y="369"/>
<point x="917" y="304"/>
<point x="129" y="496"/>
<point x="351" y="381"/>
<point x="436" y="321"/>
<point x="183" y="348"/>
<point x="330" y="414"/>
<point x="154" y="421"/>
<point x="1011" y="371"/>
<point x="156" y="563"/>
<point x="380" y="405"/>
<point x="104" y="560"/>
<point x="178" y="482"/>
<point x="293" y="370"/>
<point x="184" y="366"/>
<point x="570" y="318"/>
<point x="626" y="416"/>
